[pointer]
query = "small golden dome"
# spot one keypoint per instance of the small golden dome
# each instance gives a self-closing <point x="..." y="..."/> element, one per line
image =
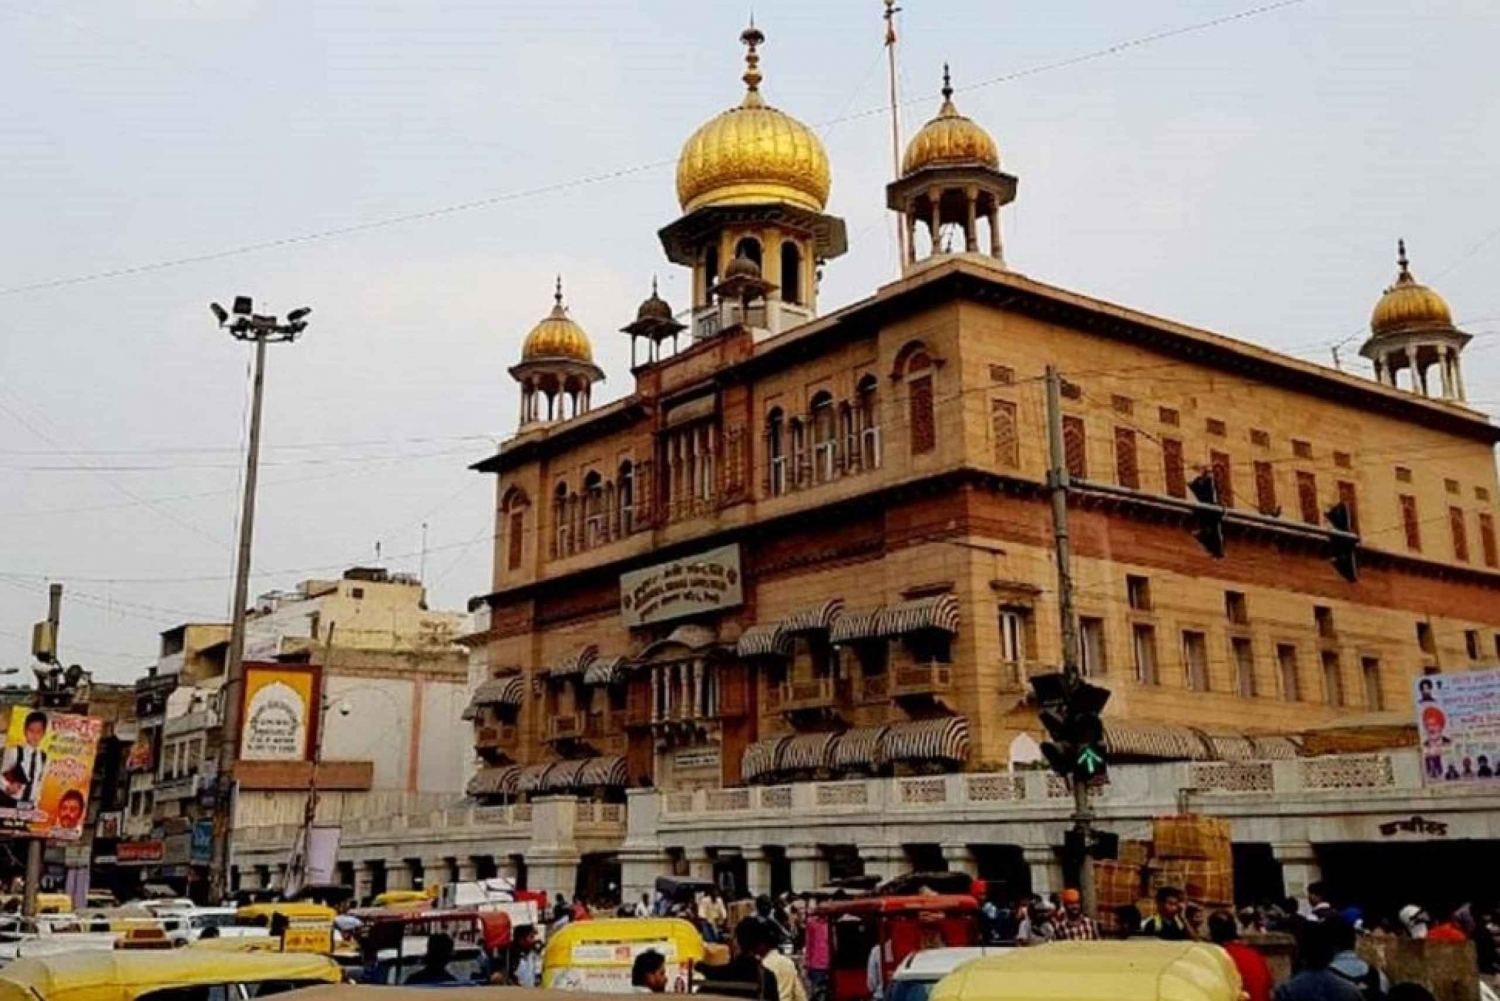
<point x="753" y="154"/>
<point x="1408" y="305"/>
<point x="557" y="336"/>
<point x="949" y="140"/>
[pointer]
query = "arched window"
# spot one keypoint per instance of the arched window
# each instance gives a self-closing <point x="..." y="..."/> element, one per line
<point x="710" y="271"/>
<point x="825" y="438"/>
<point x="625" y="497"/>
<point x="748" y="247"/>
<point x="513" y="506"/>
<point x="593" y="510"/>
<point x="799" y="453"/>
<point x="776" y="451"/>
<point x="923" y="420"/>
<point x="848" y="439"/>
<point x="560" y="525"/>
<point x="575" y="524"/>
<point x="791" y="272"/>
<point x="867" y="418"/>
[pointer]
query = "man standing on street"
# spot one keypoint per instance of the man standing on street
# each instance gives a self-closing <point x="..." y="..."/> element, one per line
<point x="1167" y="923"/>
<point x="1255" y="973"/>
<point x="1316" y="982"/>
<point x="1073" y="925"/>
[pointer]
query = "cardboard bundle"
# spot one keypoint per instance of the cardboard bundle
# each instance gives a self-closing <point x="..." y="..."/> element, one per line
<point x="1116" y="884"/>
<point x="1208" y="883"/>
<point x="1189" y="836"/>
<point x="1136" y="853"/>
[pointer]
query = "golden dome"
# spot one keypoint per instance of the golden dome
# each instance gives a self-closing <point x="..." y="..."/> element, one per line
<point x="753" y="154"/>
<point x="949" y="140"/>
<point x="1408" y="305"/>
<point x="557" y="336"/>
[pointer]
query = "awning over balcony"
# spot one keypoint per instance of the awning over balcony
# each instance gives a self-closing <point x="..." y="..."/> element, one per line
<point x="945" y="738"/>
<point x="937" y="612"/>
<point x="859" y="748"/>
<point x="1160" y="743"/>
<point x="533" y="778"/>
<point x="563" y="775"/>
<point x="575" y="663"/>
<point x="605" y="671"/>
<point x="501" y="781"/>
<point x="765" y="640"/>
<point x="608" y="772"/>
<point x="496" y="692"/>
<point x="818" y="618"/>
<point x="852" y="626"/>
<point x="806" y="752"/>
<point x="760" y="758"/>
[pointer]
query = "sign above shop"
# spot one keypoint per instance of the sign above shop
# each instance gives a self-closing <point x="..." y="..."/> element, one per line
<point x="693" y="585"/>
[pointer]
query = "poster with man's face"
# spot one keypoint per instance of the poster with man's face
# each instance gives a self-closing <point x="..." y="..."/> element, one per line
<point x="45" y="772"/>
<point x="1458" y="725"/>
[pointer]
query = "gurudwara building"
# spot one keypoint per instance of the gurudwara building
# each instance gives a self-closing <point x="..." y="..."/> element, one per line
<point x="774" y="609"/>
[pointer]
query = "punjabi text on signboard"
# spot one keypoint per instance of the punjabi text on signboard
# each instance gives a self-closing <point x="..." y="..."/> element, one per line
<point x="706" y="582"/>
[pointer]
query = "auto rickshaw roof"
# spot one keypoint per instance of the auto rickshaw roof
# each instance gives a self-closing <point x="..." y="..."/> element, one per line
<point x="915" y="903"/>
<point x="80" y="973"/>
<point x="1133" y="970"/>
<point x="683" y="936"/>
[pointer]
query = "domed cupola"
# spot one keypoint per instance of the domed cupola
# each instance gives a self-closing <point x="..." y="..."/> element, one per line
<point x="753" y="182"/>
<point x="951" y="177"/>
<point x="557" y="364"/>
<point x="1411" y="329"/>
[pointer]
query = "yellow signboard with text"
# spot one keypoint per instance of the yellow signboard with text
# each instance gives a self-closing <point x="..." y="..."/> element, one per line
<point x="278" y="712"/>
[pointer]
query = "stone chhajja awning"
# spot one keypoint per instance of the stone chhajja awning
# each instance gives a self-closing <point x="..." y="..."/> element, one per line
<point x="504" y="780"/>
<point x="605" y="671"/>
<point x="853" y="626"/>
<point x="496" y="692"/>
<point x="563" y="775"/>
<point x="533" y="778"/>
<point x="818" y="618"/>
<point x="576" y="663"/>
<point x="1159" y="743"/>
<point x="939" y="612"/>
<point x="765" y="640"/>
<point x="607" y="772"/>
<point x="945" y="738"/>
<point x="760" y="758"/>
<point x="806" y="752"/>
<point x="860" y="748"/>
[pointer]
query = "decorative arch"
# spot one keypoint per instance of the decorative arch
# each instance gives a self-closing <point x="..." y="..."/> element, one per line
<point x="749" y="246"/>
<point x="913" y="357"/>
<point x="791" y="272"/>
<point x="824" y="418"/>
<point x="560" y="526"/>
<point x="625" y="497"/>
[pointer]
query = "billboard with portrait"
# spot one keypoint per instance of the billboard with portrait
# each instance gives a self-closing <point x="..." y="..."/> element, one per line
<point x="45" y="772"/>
<point x="278" y="714"/>
<point x="1458" y="720"/>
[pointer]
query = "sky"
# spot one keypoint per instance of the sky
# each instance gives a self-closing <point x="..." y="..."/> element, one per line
<point x="418" y="172"/>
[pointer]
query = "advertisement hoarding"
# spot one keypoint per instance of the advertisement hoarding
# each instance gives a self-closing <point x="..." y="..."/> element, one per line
<point x="45" y="773"/>
<point x="1458" y="718"/>
<point x="278" y="714"/>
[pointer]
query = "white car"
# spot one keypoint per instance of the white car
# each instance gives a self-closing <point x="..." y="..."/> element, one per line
<point x="918" y="973"/>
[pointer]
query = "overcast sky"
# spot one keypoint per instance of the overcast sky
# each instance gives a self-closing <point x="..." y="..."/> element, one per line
<point x="1250" y="177"/>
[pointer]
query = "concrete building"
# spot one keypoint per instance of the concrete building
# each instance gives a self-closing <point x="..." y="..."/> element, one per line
<point x="797" y="578"/>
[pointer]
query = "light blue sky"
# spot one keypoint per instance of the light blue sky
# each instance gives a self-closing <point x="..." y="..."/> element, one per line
<point x="1251" y="178"/>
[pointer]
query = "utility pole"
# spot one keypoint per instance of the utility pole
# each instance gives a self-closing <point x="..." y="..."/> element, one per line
<point x="261" y="330"/>
<point x="36" y="847"/>
<point x="1057" y="483"/>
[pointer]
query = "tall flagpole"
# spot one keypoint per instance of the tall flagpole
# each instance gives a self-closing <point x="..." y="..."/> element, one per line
<point x="890" y="49"/>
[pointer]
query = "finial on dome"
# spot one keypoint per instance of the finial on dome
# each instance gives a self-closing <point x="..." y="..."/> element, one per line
<point x="558" y="309"/>
<point x="653" y="285"/>
<point x="947" y="84"/>
<point x="1401" y="260"/>
<point x="753" y="38"/>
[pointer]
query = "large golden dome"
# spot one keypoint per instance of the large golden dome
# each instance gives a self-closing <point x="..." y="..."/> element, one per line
<point x="950" y="140"/>
<point x="753" y="154"/>
<point x="1408" y="305"/>
<point x="557" y="337"/>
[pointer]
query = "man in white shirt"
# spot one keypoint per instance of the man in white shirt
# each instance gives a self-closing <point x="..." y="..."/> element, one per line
<point x="24" y="765"/>
<point x="789" y="985"/>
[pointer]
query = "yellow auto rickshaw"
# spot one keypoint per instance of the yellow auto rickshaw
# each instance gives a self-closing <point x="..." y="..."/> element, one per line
<point x="298" y="926"/>
<point x="1133" y="970"/>
<point x="597" y="955"/>
<point x="139" y="976"/>
<point x="404" y="900"/>
<point x="46" y="903"/>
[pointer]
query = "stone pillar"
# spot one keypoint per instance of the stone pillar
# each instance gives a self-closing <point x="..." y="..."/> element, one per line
<point x="1445" y="370"/>
<point x="995" y="235"/>
<point x="700" y="864"/>
<point x="935" y="226"/>
<point x="757" y="871"/>
<point x="960" y="859"/>
<point x="552" y="859"/>
<point x="397" y="875"/>
<point x="884" y="861"/>
<point x="971" y="222"/>
<point x="1299" y="867"/>
<point x="809" y="867"/>
<point x="910" y="222"/>
<point x="553" y="872"/>
<point x="364" y="880"/>
<point x="639" y="868"/>
<point x="468" y="869"/>
<point x="1046" y="869"/>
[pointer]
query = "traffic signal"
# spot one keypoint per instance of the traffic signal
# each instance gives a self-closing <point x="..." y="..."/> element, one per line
<point x="1342" y="549"/>
<point x="1070" y="714"/>
<point x="1102" y="845"/>
<point x="1210" y="531"/>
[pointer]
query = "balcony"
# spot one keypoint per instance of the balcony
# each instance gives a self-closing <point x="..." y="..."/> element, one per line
<point x="500" y="737"/>
<point x="922" y="680"/>
<point x="820" y="695"/>
<point x="564" y="727"/>
<point x="605" y="731"/>
<point x="875" y="688"/>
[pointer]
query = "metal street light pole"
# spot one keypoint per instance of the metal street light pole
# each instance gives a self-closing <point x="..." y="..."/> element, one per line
<point x="261" y="330"/>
